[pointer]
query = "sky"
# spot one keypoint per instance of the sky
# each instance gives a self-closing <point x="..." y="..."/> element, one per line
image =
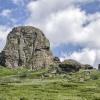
<point x="72" y="26"/>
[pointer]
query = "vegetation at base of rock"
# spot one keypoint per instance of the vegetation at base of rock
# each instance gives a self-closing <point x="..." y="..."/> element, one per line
<point x="25" y="84"/>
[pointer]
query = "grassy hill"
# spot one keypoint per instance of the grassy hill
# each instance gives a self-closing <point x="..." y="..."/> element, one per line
<point x="24" y="84"/>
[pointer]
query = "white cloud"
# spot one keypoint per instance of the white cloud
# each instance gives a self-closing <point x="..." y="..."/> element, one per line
<point x="56" y="19"/>
<point x="6" y="12"/>
<point x="59" y="20"/>
<point x="66" y="26"/>
<point x="3" y="34"/>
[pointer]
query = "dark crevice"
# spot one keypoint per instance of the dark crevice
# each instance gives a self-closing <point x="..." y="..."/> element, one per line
<point x="2" y="59"/>
<point x="19" y="59"/>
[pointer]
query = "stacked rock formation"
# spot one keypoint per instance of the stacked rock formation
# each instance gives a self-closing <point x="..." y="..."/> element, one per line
<point x="26" y="46"/>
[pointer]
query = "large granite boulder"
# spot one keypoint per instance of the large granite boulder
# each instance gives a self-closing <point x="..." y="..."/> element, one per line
<point x="26" y="46"/>
<point x="69" y="65"/>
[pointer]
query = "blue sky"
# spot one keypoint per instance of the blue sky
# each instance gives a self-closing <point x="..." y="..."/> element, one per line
<point x="91" y="7"/>
<point x="72" y="26"/>
<point x="18" y="11"/>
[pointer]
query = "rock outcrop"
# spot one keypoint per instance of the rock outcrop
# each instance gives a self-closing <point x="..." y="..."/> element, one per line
<point x="87" y="67"/>
<point x="26" y="46"/>
<point x="69" y="66"/>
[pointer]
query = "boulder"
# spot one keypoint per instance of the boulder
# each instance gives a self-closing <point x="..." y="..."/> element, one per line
<point x="69" y="66"/>
<point x="87" y="66"/>
<point x="26" y="46"/>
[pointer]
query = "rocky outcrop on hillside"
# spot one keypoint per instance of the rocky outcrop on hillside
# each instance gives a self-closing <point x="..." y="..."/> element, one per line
<point x="71" y="65"/>
<point x="87" y="67"/>
<point x="26" y="46"/>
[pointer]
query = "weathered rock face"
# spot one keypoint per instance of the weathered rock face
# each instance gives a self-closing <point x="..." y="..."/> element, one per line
<point x="26" y="46"/>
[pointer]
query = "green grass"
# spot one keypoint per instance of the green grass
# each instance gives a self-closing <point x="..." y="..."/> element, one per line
<point x="23" y="84"/>
<point x="8" y="71"/>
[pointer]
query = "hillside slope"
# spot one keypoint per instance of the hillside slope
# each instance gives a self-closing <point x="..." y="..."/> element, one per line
<point x="23" y="84"/>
